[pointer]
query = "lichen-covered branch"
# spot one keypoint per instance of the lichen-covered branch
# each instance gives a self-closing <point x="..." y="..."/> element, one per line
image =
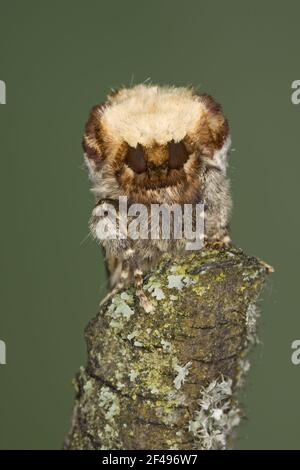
<point x="167" y="380"/>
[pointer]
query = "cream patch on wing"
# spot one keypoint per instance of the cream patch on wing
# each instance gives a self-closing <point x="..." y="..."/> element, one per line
<point x="147" y="114"/>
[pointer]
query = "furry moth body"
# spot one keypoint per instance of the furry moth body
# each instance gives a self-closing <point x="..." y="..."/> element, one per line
<point x="156" y="145"/>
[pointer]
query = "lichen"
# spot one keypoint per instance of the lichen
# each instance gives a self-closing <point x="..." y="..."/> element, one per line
<point x="109" y="401"/>
<point x="120" y="308"/>
<point x="141" y="386"/>
<point x="166" y="345"/>
<point x="217" y="416"/>
<point x="182" y="372"/>
<point x="155" y="289"/>
<point x="88" y="386"/>
<point x="252" y="315"/>
<point x="175" y="281"/>
<point x="133" y="374"/>
<point x="179" y="281"/>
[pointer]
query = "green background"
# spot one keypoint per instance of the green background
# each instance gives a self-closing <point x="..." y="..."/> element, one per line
<point x="58" y="59"/>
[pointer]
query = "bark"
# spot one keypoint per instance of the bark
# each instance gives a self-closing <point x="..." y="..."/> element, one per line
<point x="167" y="380"/>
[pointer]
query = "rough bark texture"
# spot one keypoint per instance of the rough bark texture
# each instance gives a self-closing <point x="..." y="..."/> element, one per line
<point x="167" y="380"/>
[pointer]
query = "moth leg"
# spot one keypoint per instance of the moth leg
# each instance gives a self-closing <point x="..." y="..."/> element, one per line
<point x="119" y="286"/>
<point x="221" y="237"/>
<point x="145" y="303"/>
<point x="113" y="270"/>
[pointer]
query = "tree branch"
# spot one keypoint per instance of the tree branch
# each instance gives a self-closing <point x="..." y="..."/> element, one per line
<point x="167" y="380"/>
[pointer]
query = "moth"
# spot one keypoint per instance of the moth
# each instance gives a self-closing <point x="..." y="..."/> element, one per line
<point x="156" y="145"/>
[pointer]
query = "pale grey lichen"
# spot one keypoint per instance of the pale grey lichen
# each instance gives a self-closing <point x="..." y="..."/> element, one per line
<point x="88" y="386"/>
<point x="120" y="385"/>
<point x="108" y="437"/>
<point x="179" y="281"/>
<point x="252" y="315"/>
<point x="175" y="281"/>
<point x="119" y="377"/>
<point x="109" y="401"/>
<point x="130" y="336"/>
<point x="188" y="281"/>
<point x="183" y="371"/>
<point x="217" y="416"/>
<point x="120" y="309"/>
<point x="156" y="290"/>
<point x="166" y="345"/>
<point x="132" y="375"/>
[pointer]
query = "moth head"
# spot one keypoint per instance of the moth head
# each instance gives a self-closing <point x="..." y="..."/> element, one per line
<point x="151" y="137"/>
<point x="152" y="166"/>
